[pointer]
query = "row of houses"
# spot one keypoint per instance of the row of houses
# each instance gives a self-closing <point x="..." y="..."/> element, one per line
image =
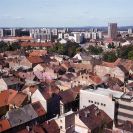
<point x="53" y="93"/>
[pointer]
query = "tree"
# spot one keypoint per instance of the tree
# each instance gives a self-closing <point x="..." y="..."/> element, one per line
<point x="69" y="49"/>
<point x="123" y="51"/>
<point x="111" y="45"/>
<point x="130" y="55"/>
<point x="109" y="56"/>
<point x="95" y="50"/>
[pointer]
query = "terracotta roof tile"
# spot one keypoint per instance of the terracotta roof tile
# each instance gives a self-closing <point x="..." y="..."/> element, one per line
<point x="3" y="98"/>
<point x="38" y="108"/>
<point x="51" y="127"/>
<point x="38" y="53"/>
<point x="19" y="99"/>
<point x="93" y="117"/>
<point x="68" y="96"/>
<point x="4" y="125"/>
<point x="26" y="44"/>
<point x="6" y="96"/>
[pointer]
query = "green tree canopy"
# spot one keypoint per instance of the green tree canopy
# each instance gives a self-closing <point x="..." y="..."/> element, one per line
<point x="130" y="55"/>
<point x="124" y="51"/>
<point x="96" y="50"/>
<point x="69" y="49"/>
<point x="109" y="56"/>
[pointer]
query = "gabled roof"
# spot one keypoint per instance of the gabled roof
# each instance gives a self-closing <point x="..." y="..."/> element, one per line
<point x="19" y="99"/>
<point x="96" y="79"/>
<point x="127" y="126"/>
<point x="68" y="96"/>
<point x="93" y="117"/>
<point x="4" y="125"/>
<point x="38" y="53"/>
<point x="11" y="81"/>
<point x="127" y="64"/>
<point x="6" y="96"/>
<point x="51" y="127"/>
<point x="26" y="44"/>
<point x="39" y="108"/>
<point x="35" y="60"/>
<point x="48" y="90"/>
<point x="21" y="115"/>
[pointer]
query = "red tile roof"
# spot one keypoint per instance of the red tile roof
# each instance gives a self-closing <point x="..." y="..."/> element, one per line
<point x="38" y="53"/>
<point x="68" y="96"/>
<point x="38" y="108"/>
<point x="19" y="99"/>
<point x="4" y="125"/>
<point x="6" y="96"/>
<point x="95" y="79"/>
<point x="51" y="127"/>
<point x="26" y="44"/>
<point x="93" y="117"/>
<point x="35" y="60"/>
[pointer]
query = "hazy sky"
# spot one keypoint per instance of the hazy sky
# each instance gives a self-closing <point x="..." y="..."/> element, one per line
<point x="65" y="12"/>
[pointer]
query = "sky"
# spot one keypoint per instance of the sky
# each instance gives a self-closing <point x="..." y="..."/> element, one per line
<point x="65" y="13"/>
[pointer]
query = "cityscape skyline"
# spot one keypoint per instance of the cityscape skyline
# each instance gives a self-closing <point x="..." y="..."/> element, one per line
<point x="55" y="13"/>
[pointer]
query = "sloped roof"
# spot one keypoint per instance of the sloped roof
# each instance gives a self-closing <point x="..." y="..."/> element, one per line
<point x="19" y="99"/>
<point x="51" y="127"/>
<point x="93" y="117"/>
<point x="6" y="96"/>
<point x="35" y="60"/>
<point x="4" y="125"/>
<point x="26" y="44"/>
<point x="38" y="108"/>
<point x="21" y="115"/>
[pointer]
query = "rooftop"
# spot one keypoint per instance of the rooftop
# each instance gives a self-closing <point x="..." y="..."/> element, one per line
<point x="51" y="127"/>
<point x="93" y="117"/>
<point x="4" y="125"/>
<point x="22" y="115"/>
<point x="19" y="99"/>
<point x="38" y="108"/>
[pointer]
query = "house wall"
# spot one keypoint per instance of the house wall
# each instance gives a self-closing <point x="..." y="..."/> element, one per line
<point x="124" y="111"/>
<point x="114" y="72"/>
<point x="37" y="96"/>
<point x="118" y="73"/>
<point x="3" y="85"/>
<point x="82" y="66"/>
<point x="103" y="102"/>
<point x="82" y="80"/>
<point x="80" y="127"/>
<point x="25" y="62"/>
<point x="61" y="124"/>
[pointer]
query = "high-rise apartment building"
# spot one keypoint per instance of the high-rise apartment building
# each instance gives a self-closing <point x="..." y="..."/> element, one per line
<point x="112" y="30"/>
<point x="130" y="31"/>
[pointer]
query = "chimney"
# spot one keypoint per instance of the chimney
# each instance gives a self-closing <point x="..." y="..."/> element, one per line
<point x="28" y="128"/>
<point x="97" y="112"/>
<point x="87" y="113"/>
